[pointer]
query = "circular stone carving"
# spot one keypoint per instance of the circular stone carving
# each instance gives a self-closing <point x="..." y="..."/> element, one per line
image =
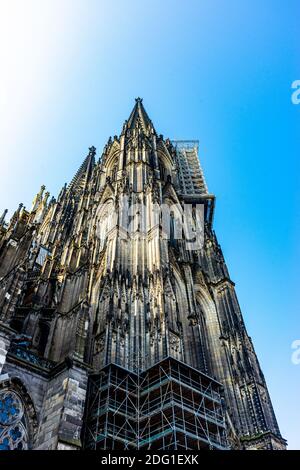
<point x="11" y="408"/>
<point x="13" y="434"/>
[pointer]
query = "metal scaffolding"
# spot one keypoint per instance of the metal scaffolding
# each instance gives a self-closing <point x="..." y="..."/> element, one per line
<point x="191" y="178"/>
<point x="168" y="406"/>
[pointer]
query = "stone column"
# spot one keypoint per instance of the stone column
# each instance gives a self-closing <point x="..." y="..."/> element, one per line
<point x="6" y="334"/>
<point x="63" y="408"/>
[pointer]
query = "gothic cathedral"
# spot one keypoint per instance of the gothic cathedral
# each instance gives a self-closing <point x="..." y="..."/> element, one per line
<point x="126" y="339"/>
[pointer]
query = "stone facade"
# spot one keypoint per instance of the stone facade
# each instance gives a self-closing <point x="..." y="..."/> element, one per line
<point x="78" y="292"/>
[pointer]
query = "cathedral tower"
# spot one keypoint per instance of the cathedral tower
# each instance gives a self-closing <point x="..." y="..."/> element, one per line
<point x="119" y="323"/>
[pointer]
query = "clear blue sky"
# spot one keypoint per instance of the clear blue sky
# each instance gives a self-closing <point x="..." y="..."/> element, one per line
<point x="216" y="71"/>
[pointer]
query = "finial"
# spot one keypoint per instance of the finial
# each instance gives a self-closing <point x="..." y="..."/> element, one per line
<point x="2" y="218"/>
<point x="124" y="126"/>
<point x="92" y="151"/>
<point x="46" y="195"/>
<point x="138" y="100"/>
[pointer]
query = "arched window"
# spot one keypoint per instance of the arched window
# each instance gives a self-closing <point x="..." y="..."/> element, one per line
<point x="13" y="433"/>
<point x="106" y="221"/>
<point x="162" y="171"/>
<point x="114" y="171"/>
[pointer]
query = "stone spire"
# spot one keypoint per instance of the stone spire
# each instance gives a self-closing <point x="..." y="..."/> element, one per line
<point x="38" y="199"/>
<point x="2" y="218"/>
<point x="139" y="117"/>
<point x="85" y="169"/>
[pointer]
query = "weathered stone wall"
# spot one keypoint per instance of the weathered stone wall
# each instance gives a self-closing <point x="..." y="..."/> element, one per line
<point x="58" y="398"/>
<point x="63" y="408"/>
<point x="35" y="383"/>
